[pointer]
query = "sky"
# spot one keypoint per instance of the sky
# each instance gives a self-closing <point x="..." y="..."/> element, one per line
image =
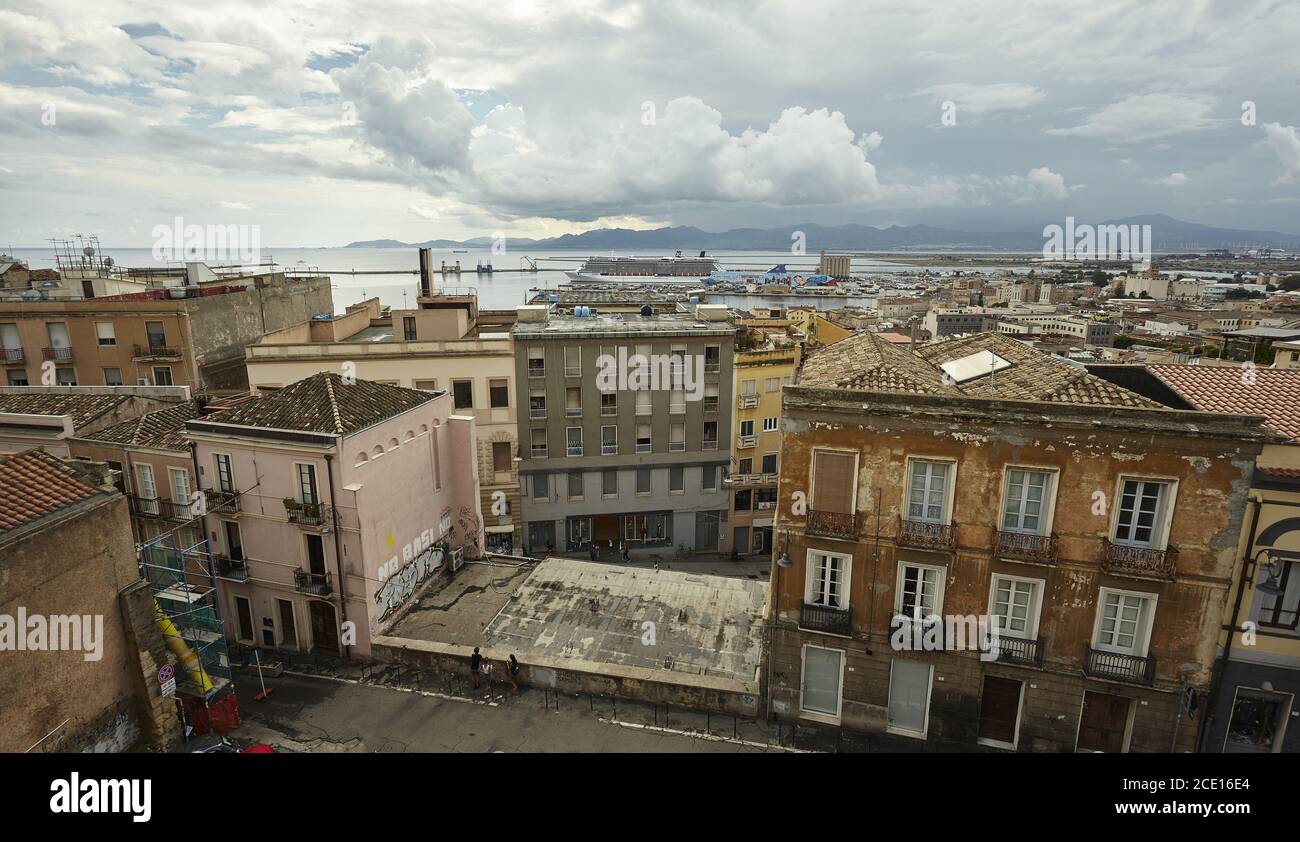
<point x="329" y="122"/>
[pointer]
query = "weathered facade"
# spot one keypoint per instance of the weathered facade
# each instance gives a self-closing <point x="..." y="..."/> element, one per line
<point x="979" y="481"/>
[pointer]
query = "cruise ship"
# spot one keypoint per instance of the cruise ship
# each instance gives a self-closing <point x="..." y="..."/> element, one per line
<point x="673" y="268"/>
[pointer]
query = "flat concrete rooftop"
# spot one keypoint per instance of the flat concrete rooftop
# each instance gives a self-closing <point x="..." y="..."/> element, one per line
<point x="596" y="613"/>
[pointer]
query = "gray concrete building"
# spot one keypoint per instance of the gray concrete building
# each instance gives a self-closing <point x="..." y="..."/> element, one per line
<point x="608" y="460"/>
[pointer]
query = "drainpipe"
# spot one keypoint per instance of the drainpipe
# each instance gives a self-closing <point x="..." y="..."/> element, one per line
<point x="194" y="459"/>
<point x="1222" y="664"/>
<point x="338" y="547"/>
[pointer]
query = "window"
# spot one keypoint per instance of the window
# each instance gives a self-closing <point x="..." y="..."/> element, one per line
<point x="764" y="498"/>
<point x="919" y="590"/>
<point x="749" y="387"/>
<point x="1281" y="610"/>
<point x="609" y="483"/>
<point x="710" y="436"/>
<point x="928" y="492"/>
<point x="676" y="479"/>
<point x="501" y="457"/>
<point x="709" y="478"/>
<point x="710" y="398"/>
<point x="408" y="328"/>
<point x="536" y="403"/>
<point x="609" y="403"/>
<point x="769" y="463"/>
<point x="677" y="402"/>
<point x="1124" y="621"/>
<point x="572" y="361"/>
<point x="909" y="697"/>
<point x="575" y="485"/>
<point x="157" y="335"/>
<point x="17" y="377"/>
<point x="574" y="441"/>
<point x="427" y="385"/>
<point x="827" y="579"/>
<point x="112" y="377"/>
<point x="1258" y="721"/>
<point x="1024" y="510"/>
<point x="744" y="500"/>
<point x="712" y="359"/>
<point x="104" y="333"/>
<point x="538" y="442"/>
<point x="1015" y="602"/>
<point x="833" y="481"/>
<point x="541" y="489"/>
<point x="708" y="533"/>
<point x="745" y="466"/>
<point x="65" y="376"/>
<point x="307" y="484"/>
<point x="1141" y="509"/>
<point x="180" y="482"/>
<point x="536" y="362"/>
<point x="642" y="480"/>
<point x="643" y="402"/>
<point x="769" y="425"/>
<point x="609" y="440"/>
<point x="499" y="394"/>
<point x="162" y="375"/>
<point x="642" y="438"/>
<point x="225" y="473"/>
<point x="819" y="687"/>
<point x="747" y="428"/>
<point x="677" y="436"/>
<point x="462" y="394"/>
<point x="573" y="402"/>
<point x="772" y="384"/>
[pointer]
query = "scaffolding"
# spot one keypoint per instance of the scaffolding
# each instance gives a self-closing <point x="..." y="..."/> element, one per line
<point x="189" y="617"/>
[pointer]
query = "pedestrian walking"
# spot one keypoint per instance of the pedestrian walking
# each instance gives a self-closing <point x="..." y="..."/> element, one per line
<point x="475" y="664"/>
<point x="512" y="671"/>
<point x="487" y="674"/>
<point x="627" y="555"/>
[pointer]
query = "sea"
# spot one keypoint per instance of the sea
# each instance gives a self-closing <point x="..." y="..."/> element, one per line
<point x="514" y="280"/>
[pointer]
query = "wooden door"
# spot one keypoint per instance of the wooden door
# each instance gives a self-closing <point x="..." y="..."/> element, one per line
<point x="1103" y="723"/>
<point x="999" y="709"/>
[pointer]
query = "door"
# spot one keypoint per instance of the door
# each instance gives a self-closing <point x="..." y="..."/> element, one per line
<point x="234" y="542"/>
<point x="1000" y="710"/>
<point x="148" y="490"/>
<point x="316" y="557"/>
<point x="288" y="629"/>
<point x="740" y="540"/>
<point x="245" y="613"/>
<point x="909" y="697"/>
<point x="1103" y="722"/>
<point x="324" y="628"/>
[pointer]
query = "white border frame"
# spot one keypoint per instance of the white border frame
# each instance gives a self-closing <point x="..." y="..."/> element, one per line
<point x="1020" y="715"/>
<point x="1145" y="638"/>
<point x="950" y="493"/>
<point x="1032" y="634"/>
<point x="818" y="716"/>
<point x="929" y="695"/>
<point x="1165" y="517"/>
<point x="1047" y="519"/>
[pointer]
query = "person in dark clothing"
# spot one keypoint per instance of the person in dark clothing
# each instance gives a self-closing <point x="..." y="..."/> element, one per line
<point x="475" y="663"/>
<point x="512" y="671"/>
<point x="627" y="556"/>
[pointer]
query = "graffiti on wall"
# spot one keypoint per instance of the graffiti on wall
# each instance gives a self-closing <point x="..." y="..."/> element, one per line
<point x="398" y="587"/>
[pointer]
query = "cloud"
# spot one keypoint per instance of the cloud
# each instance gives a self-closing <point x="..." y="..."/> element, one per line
<point x="1286" y="143"/>
<point x="985" y="99"/>
<point x="1039" y="184"/>
<point x="241" y="206"/>
<point x="1174" y="179"/>
<point x="1143" y="117"/>
<point x="422" y="213"/>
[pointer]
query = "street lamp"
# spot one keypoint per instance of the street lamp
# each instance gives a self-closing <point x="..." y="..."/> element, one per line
<point x="1273" y="566"/>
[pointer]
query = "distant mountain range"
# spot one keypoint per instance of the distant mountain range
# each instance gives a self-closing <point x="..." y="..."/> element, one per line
<point x="1167" y="234"/>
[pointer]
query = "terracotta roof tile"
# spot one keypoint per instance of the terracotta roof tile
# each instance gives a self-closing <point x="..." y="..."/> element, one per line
<point x="323" y="403"/>
<point x="34" y="484"/>
<point x="1271" y="392"/>
<point x="82" y="408"/>
<point x="164" y="429"/>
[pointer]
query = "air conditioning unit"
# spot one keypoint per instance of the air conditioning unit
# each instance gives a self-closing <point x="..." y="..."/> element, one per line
<point x="142" y="381"/>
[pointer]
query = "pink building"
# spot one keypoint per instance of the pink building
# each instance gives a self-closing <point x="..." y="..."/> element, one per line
<point x="331" y="504"/>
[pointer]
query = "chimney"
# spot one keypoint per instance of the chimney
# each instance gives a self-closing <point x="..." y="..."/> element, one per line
<point x="426" y="272"/>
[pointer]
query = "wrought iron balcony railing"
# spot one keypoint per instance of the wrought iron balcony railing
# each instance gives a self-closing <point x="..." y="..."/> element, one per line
<point x="317" y="584"/>
<point x="145" y="352"/>
<point x="145" y="506"/>
<point x="1025" y="652"/>
<point x="226" y="502"/>
<point x="1139" y="562"/>
<point x="62" y="355"/>
<point x="824" y="618"/>
<point x="1021" y="546"/>
<point x="925" y="535"/>
<point x="13" y="355"/>
<point x="832" y="524"/>
<point x="225" y="567"/>
<point x="1116" y="666"/>
<point x="307" y="514"/>
<point x="536" y="412"/>
<point x="535" y="372"/>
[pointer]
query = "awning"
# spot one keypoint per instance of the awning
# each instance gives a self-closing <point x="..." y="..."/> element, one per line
<point x="496" y="530"/>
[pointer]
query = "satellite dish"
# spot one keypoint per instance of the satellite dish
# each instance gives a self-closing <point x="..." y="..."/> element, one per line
<point x="108" y="261"/>
<point x="88" y="251"/>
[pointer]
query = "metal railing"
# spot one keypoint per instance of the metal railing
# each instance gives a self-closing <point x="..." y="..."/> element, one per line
<point x="226" y="502"/>
<point x="312" y="583"/>
<point x="1139" y="562"/>
<point x="1021" y="546"/>
<point x="573" y="412"/>
<point x="608" y="410"/>
<point x="1023" y="651"/>
<point x="710" y="404"/>
<point x="307" y="514"/>
<point x="13" y="355"/>
<point x="824" y="618"/>
<point x="536" y="371"/>
<point x="62" y="355"/>
<point x="225" y="567"/>
<point x="144" y="506"/>
<point x="1117" y="666"/>
<point x="832" y="524"/>
<point x="609" y="448"/>
<point x="925" y="535"/>
<point x="676" y="446"/>
<point x="574" y="450"/>
<point x="677" y="409"/>
<point x="538" y="451"/>
<point x="537" y="412"/>
<point x="139" y="352"/>
<point x="643" y="447"/>
<point x="709" y="444"/>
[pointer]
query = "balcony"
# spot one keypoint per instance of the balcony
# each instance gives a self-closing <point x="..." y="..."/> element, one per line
<point x="1139" y="562"/>
<point x="145" y="506"/>
<point x="742" y="480"/>
<point x="832" y="524"/>
<point x="234" y="569"/>
<point x="823" y="618"/>
<point x="1116" y="666"/>
<point x="59" y="355"/>
<point x="746" y="442"/>
<point x="1021" y="546"/>
<point x="711" y="404"/>
<point x="314" y="515"/>
<point x="747" y="401"/>
<point x="176" y="511"/>
<point x="13" y="355"/>
<point x="225" y="502"/>
<point x="317" y="584"/>
<point x="1024" y="652"/>
<point x="924" y="535"/>
<point x="155" y="352"/>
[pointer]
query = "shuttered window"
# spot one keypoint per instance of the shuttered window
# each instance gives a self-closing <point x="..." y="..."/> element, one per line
<point x="833" y="482"/>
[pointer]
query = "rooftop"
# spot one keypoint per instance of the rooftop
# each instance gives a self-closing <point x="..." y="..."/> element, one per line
<point x="1271" y="392"/>
<point x="564" y="325"/>
<point x="34" y="484"/>
<point x="323" y="403"/>
<point x="81" y="408"/>
<point x="866" y="362"/>
<point x="162" y="430"/>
